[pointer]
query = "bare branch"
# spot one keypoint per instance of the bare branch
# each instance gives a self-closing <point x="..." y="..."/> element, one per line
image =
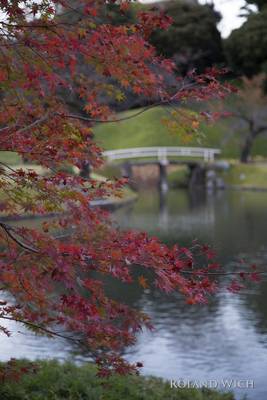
<point x="198" y="273"/>
<point x="8" y="230"/>
<point x="88" y="119"/>
<point x="41" y="328"/>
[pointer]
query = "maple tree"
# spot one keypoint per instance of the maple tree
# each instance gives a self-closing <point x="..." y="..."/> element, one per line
<point x="48" y="271"/>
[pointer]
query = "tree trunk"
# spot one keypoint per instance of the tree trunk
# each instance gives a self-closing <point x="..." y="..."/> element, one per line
<point x="246" y="149"/>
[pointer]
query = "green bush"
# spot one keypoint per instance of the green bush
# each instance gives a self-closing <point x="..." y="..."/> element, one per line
<point x="55" y="381"/>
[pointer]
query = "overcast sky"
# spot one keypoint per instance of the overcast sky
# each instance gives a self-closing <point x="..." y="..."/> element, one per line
<point x="229" y="9"/>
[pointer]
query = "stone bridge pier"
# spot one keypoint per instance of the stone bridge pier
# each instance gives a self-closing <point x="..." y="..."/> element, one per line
<point x="163" y="176"/>
<point x="200" y="174"/>
<point x="127" y="171"/>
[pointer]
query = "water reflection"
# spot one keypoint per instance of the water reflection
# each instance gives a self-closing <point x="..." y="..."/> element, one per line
<point x="226" y="339"/>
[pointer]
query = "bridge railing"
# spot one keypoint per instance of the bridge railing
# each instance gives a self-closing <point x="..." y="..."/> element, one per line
<point x="162" y="153"/>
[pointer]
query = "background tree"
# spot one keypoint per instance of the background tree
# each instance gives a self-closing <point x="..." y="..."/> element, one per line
<point x="248" y="111"/>
<point x="193" y="40"/>
<point x="259" y="3"/>
<point x="246" y="47"/>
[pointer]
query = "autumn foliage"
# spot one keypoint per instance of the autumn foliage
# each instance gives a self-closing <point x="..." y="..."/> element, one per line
<point x="53" y="274"/>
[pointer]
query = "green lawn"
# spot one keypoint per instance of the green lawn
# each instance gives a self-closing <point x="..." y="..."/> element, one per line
<point x="66" y="381"/>
<point x="247" y="176"/>
<point x="148" y="130"/>
<point x="10" y="158"/>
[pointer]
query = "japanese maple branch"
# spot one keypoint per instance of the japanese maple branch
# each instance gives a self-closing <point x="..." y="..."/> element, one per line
<point x="45" y="330"/>
<point x="223" y="273"/>
<point x="8" y="230"/>
<point x="88" y="119"/>
<point x="32" y="125"/>
<point x="80" y="117"/>
<point x="172" y="99"/>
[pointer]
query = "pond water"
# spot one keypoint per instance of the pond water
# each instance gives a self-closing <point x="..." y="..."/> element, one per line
<point x="225" y="340"/>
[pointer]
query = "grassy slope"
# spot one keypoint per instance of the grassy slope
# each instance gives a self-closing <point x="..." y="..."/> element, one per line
<point x="68" y="382"/>
<point x="10" y="158"/>
<point x="147" y="130"/>
<point x="246" y="175"/>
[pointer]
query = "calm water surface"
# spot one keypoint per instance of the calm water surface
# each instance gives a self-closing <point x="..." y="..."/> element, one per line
<point x="226" y="339"/>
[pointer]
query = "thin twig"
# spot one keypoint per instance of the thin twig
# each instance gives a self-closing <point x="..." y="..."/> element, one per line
<point x="8" y="231"/>
<point x="87" y="119"/>
<point x="35" y="326"/>
<point x="196" y="273"/>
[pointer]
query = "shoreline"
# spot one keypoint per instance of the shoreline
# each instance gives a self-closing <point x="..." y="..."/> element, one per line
<point x="110" y="204"/>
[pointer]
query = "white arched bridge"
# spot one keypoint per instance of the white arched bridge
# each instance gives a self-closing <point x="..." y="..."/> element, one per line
<point x="162" y="154"/>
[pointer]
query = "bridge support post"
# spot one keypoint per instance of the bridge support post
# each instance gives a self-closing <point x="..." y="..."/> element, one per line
<point x="126" y="170"/>
<point x="163" y="210"/>
<point x="197" y="175"/>
<point x="163" y="181"/>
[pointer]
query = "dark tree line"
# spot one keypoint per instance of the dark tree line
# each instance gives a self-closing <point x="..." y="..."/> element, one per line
<point x="193" y="40"/>
<point x="246" y="47"/>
